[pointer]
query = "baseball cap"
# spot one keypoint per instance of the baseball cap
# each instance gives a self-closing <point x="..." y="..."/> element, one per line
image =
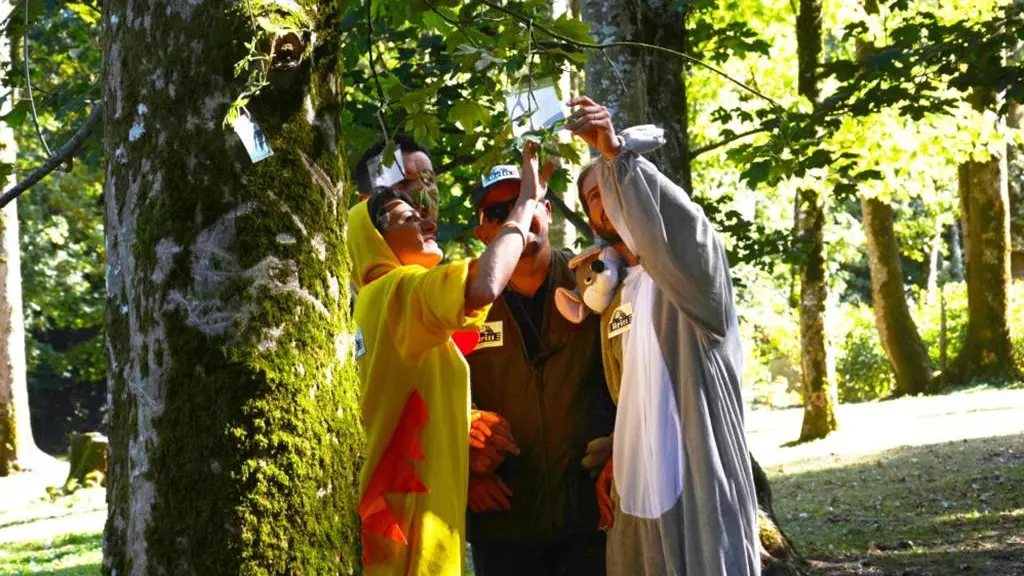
<point x="496" y="174"/>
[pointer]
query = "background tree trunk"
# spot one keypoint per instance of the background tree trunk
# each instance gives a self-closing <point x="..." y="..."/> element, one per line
<point x="903" y="346"/>
<point x="1015" y="167"/>
<point x="906" y="352"/>
<point x="656" y="82"/>
<point x="17" y="448"/>
<point x="819" y="387"/>
<point x="984" y="200"/>
<point x="235" y="439"/>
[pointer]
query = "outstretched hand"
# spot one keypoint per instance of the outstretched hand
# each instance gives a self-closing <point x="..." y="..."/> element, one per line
<point x="593" y="123"/>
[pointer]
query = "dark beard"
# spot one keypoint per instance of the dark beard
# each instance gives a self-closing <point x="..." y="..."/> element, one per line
<point x="608" y="235"/>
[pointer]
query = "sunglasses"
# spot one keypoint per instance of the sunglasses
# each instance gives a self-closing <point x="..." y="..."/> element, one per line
<point x="497" y="213"/>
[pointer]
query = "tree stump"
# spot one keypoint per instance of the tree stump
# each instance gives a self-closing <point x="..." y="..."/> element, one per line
<point x="88" y="458"/>
<point x="779" y="557"/>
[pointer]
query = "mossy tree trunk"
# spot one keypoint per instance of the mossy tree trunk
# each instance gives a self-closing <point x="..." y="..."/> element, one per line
<point x="17" y="447"/>
<point x="903" y="346"/>
<point x="1015" y="166"/>
<point x="235" y="439"/>
<point x="657" y="94"/>
<point x="906" y="352"/>
<point x="819" y="388"/>
<point x="987" y="352"/>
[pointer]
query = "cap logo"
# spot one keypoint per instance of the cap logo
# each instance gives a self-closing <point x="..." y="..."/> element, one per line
<point x="499" y="173"/>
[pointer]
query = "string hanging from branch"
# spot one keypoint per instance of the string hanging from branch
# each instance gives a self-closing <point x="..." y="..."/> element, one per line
<point x="624" y="44"/>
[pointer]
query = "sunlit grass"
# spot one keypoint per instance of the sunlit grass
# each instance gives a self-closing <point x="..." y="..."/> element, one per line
<point x="64" y="555"/>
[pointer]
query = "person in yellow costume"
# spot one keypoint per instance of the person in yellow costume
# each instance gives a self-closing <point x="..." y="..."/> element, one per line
<point x="414" y="393"/>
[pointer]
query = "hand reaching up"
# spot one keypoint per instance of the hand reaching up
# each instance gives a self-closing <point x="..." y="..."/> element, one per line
<point x="593" y="123"/>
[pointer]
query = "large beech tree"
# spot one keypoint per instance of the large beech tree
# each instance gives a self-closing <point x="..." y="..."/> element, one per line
<point x="235" y="440"/>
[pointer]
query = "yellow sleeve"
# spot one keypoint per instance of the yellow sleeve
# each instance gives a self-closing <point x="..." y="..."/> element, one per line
<point x="433" y="306"/>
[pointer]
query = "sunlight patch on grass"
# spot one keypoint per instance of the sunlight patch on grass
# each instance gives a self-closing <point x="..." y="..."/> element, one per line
<point x="65" y="555"/>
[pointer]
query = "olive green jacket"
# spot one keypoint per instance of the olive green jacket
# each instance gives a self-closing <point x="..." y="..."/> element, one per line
<point x="554" y="408"/>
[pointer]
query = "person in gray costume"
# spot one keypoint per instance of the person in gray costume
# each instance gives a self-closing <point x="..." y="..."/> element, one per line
<point x="684" y="491"/>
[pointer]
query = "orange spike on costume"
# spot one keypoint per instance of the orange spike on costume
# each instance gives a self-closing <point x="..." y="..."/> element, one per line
<point x="394" y="474"/>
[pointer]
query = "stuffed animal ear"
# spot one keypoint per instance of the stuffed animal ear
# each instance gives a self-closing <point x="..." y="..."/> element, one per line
<point x="582" y="257"/>
<point x="570" y="305"/>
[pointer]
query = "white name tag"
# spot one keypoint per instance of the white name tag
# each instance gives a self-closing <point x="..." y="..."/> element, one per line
<point x="491" y="335"/>
<point x="360" y="344"/>
<point x="622" y="320"/>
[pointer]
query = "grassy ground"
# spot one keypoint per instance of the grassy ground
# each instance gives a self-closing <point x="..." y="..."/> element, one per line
<point x="42" y="535"/>
<point x="913" y="487"/>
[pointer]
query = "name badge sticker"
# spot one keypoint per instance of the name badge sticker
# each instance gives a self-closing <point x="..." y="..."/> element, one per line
<point x="622" y="320"/>
<point x="492" y="335"/>
<point x="360" y="343"/>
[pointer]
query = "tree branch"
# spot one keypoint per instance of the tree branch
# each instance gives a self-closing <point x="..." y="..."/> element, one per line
<point x="455" y="162"/>
<point x="714" y="146"/>
<point x="594" y="46"/>
<point x="573" y="218"/>
<point x="457" y="23"/>
<point x="59" y="156"/>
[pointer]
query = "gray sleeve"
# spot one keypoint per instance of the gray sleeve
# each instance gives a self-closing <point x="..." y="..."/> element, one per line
<point x="672" y="237"/>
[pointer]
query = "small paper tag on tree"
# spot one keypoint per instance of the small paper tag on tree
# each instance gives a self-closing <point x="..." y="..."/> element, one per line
<point x="253" y="139"/>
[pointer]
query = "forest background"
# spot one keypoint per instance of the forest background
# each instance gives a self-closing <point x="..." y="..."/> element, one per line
<point x="849" y="181"/>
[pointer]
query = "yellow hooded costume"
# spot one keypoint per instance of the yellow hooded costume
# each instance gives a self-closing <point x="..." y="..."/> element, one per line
<point x="415" y="403"/>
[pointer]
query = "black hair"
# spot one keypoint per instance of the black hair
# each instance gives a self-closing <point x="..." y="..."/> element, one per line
<point x="380" y="198"/>
<point x="579" y="185"/>
<point x="404" y="142"/>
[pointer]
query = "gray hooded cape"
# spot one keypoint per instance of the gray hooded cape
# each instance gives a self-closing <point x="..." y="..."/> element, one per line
<point x="712" y="528"/>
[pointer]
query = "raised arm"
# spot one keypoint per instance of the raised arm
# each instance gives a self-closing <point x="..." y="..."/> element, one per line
<point x="491" y="272"/>
<point x="670" y="234"/>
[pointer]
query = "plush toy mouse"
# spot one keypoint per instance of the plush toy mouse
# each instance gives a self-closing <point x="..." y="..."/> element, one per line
<point x="598" y="272"/>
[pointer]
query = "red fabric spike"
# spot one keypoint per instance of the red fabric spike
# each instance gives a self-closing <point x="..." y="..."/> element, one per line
<point x="394" y="474"/>
<point x="466" y="340"/>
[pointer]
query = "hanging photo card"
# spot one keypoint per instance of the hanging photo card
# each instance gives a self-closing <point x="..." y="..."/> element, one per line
<point x="252" y="137"/>
<point x="537" y="110"/>
<point x="384" y="174"/>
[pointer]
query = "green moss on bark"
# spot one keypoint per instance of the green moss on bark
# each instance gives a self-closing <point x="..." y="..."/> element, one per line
<point x="257" y="445"/>
<point x="8" y="438"/>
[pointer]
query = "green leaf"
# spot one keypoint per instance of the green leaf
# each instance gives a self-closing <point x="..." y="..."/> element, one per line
<point x="432" y="20"/>
<point x="86" y="13"/>
<point x="469" y="114"/>
<point x="573" y="29"/>
<point x="17" y="114"/>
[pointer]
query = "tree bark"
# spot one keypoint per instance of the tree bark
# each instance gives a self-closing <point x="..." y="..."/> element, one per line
<point x="907" y="354"/>
<point x="819" y="386"/>
<point x="1015" y="166"/>
<point x="987" y="352"/>
<point x="17" y="447"/>
<point x="656" y="82"/>
<point x="235" y="439"/>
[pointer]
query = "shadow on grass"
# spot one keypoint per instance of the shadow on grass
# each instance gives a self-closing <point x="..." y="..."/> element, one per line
<point x="936" y="509"/>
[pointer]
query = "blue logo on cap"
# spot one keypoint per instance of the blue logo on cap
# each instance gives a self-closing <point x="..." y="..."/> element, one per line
<point x="499" y="173"/>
